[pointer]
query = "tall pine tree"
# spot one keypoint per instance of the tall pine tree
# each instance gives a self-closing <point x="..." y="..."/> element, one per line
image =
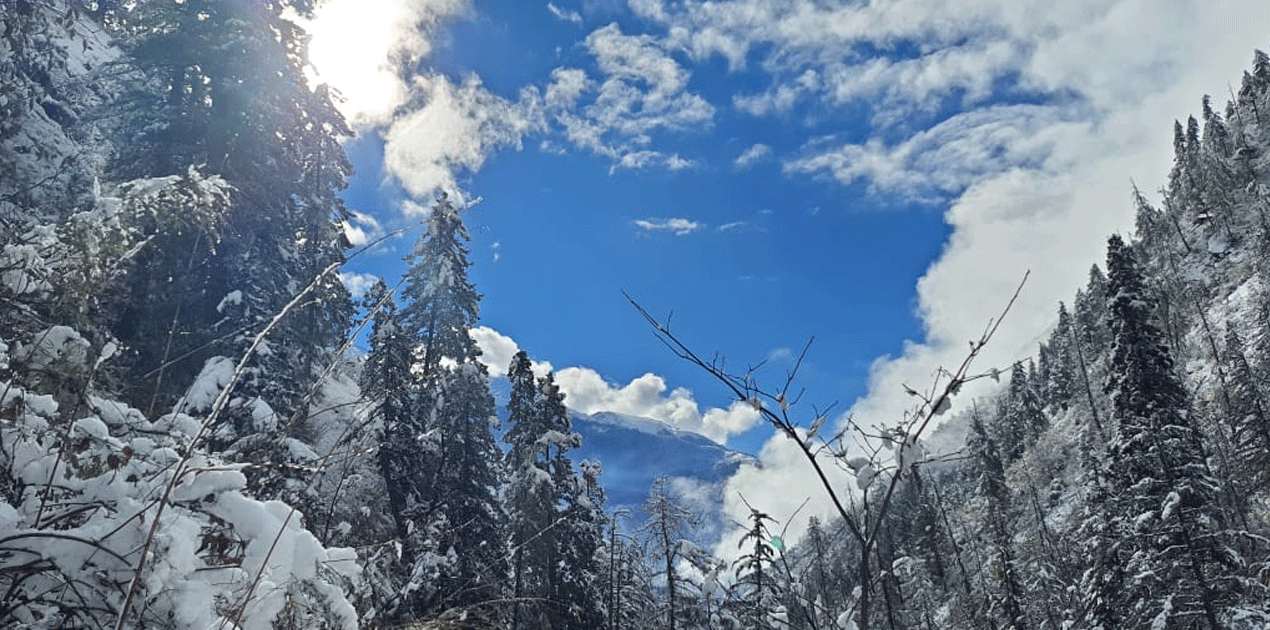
<point x="1164" y="513"/>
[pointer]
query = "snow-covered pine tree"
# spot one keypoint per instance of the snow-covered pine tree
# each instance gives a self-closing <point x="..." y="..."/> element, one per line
<point x="1020" y="418"/>
<point x="1164" y="517"/>
<point x="1006" y="595"/>
<point x="1060" y="386"/>
<point x="220" y="87"/>
<point x="578" y="519"/>
<point x="1251" y="421"/>
<point x="529" y="500"/>
<point x="756" y="594"/>
<point x="454" y="504"/>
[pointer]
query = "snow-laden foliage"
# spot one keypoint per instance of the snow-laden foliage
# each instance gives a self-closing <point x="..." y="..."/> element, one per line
<point x="84" y="483"/>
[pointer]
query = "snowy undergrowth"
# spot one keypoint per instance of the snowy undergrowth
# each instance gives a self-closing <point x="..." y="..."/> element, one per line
<point x="86" y="485"/>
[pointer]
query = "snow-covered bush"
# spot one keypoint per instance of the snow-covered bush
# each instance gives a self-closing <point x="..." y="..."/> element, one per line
<point x="78" y="509"/>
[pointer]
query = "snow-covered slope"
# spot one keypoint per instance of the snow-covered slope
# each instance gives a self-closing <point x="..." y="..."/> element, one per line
<point x="636" y="451"/>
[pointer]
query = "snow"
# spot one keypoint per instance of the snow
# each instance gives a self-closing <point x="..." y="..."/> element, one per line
<point x="1170" y="503"/>
<point x="56" y="344"/>
<point x="216" y="374"/>
<point x="864" y="476"/>
<point x="92" y="427"/>
<point x="233" y="298"/>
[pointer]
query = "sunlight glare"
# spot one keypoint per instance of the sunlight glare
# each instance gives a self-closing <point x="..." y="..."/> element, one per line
<point x="353" y="46"/>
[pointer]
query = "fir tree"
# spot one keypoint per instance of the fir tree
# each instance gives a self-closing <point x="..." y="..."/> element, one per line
<point x="1163" y="495"/>
<point x="529" y="496"/>
<point x="1251" y="423"/>
<point x="1007" y="595"/>
<point x="756" y="588"/>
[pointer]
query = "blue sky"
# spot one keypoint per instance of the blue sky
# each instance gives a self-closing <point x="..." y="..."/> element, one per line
<point x="877" y="174"/>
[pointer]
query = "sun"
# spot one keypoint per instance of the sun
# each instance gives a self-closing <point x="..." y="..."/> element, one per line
<point x="352" y="47"/>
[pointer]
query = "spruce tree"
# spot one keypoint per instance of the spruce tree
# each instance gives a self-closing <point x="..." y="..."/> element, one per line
<point x="457" y="498"/>
<point x="219" y="87"/>
<point x="1163" y="507"/>
<point x="756" y="589"/>
<point x="529" y="497"/>
<point x="1061" y="383"/>
<point x="1006" y="596"/>
<point x="1251" y="421"/>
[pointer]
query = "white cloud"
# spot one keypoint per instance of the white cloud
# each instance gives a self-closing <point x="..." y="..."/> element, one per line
<point x="361" y="228"/>
<point x="360" y="48"/>
<point x="781" y="98"/>
<point x="358" y="283"/>
<point x="947" y="158"/>
<point x="566" y="87"/>
<point x="752" y="155"/>
<point x="587" y="392"/>
<point x="565" y="15"/>
<point x="455" y="128"/>
<point x="642" y="91"/>
<point x="1028" y="186"/>
<point x="678" y="226"/>
<point x="498" y="349"/>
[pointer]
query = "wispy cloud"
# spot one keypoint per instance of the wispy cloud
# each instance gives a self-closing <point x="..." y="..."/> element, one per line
<point x="946" y="159"/>
<point x="752" y="155"/>
<point x="361" y="228"/>
<point x="641" y="90"/>
<point x="674" y="225"/>
<point x="1003" y="110"/>
<point x="734" y="225"/>
<point x="564" y="15"/>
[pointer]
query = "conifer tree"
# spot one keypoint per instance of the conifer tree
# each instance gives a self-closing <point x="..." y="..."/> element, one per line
<point x="1164" y="513"/>
<point x="1060" y="385"/>
<point x="444" y="459"/>
<point x="389" y="389"/>
<point x="220" y="87"/>
<point x="1006" y="596"/>
<point x="1251" y="423"/>
<point x="529" y="496"/>
<point x="757" y="592"/>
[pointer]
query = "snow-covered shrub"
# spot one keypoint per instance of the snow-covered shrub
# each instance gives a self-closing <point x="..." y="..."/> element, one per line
<point x="78" y="509"/>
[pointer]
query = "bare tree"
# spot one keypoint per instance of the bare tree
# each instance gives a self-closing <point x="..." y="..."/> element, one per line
<point x="886" y="450"/>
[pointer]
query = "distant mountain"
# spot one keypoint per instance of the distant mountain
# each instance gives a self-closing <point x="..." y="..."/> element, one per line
<point x="634" y="451"/>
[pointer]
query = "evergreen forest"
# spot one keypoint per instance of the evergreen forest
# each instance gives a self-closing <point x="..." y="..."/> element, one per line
<point x="200" y="428"/>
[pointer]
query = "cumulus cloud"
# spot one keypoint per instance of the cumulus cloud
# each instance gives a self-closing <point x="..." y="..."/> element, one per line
<point x="565" y="15"/>
<point x="678" y="226"/>
<point x="588" y="392"/>
<point x="360" y="48"/>
<point x="752" y="155"/>
<point x="358" y="283"/>
<point x="455" y="128"/>
<point x="497" y="351"/>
